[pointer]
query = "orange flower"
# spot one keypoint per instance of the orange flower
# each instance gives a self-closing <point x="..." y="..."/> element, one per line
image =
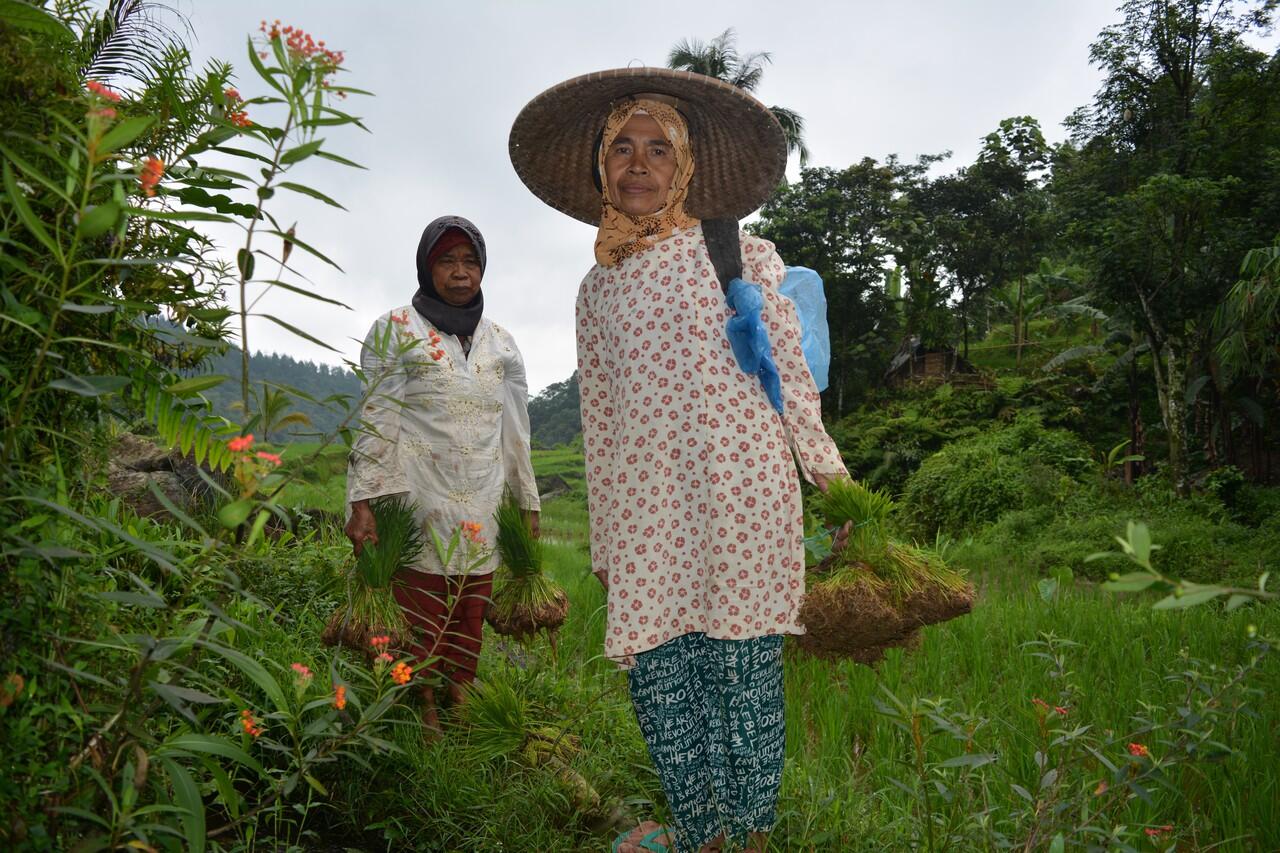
<point x="401" y="673"/>
<point x="1139" y="751"/>
<point x="10" y="688"/>
<point x="471" y="530"/>
<point x="152" y="172"/>
<point x="402" y="318"/>
<point x="273" y="458"/>
<point x="437" y="354"/>
<point x="250" y="725"/>
<point x="244" y="442"/>
<point x="102" y="91"/>
<point x="340" y="696"/>
<point x="380" y="643"/>
<point x="303" y="671"/>
<point x="1101" y="789"/>
<point x="1157" y="831"/>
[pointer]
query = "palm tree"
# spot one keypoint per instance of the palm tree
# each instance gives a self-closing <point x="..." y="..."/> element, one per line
<point x="719" y="58"/>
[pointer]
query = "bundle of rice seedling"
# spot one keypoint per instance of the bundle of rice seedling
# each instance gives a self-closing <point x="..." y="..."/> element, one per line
<point x="878" y="593"/>
<point x="525" y="600"/>
<point x="371" y="609"/>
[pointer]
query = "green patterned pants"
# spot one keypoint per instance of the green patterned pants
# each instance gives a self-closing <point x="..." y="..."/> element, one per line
<point x="711" y="712"/>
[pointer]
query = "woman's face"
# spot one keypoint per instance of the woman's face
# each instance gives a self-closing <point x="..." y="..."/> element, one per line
<point x="456" y="275"/>
<point x="639" y="166"/>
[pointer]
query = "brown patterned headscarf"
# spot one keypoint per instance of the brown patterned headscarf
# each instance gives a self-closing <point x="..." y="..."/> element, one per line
<point x="622" y="235"/>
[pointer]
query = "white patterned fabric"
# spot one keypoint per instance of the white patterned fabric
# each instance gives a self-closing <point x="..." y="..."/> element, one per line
<point x="449" y="433"/>
<point x="691" y="480"/>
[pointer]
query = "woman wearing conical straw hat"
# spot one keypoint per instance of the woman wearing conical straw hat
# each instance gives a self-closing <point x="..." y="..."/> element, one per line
<point x="694" y="499"/>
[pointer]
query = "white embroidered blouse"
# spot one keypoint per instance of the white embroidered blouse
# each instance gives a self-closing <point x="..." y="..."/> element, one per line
<point x="449" y="433"/>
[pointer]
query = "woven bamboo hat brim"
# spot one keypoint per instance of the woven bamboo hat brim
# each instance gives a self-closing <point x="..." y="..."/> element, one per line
<point x="739" y="150"/>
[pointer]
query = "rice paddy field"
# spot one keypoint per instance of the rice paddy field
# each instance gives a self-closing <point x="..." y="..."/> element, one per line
<point x="950" y="746"/>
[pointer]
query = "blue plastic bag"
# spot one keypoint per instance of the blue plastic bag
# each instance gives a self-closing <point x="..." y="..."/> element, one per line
<point x="750" y="340"/>
<point x="803" y="287"/>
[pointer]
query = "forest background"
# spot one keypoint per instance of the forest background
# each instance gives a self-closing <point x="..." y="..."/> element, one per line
<point x="1035" y="352"/>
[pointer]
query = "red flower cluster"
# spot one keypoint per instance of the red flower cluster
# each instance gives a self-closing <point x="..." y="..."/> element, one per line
<point x="1057" y="709"/>
<point x="1137" y="750"/>
<point x="303" y="671"/>
<point x="380" y="643"/>
<point x="1157" y="831"/>
<point x="340" y="696"/>
<point x="103" y="92"/>
<point x="401" y="673"/>
<point x="433" y="343"/>
<point x="235" y="115"/>
<point x="250" y="724"/>
<point x="244" y="442"/>
<point x="152" y="172"/>
<point x="273" y="458"/>
<point x="471" y="530"/>
<point x="302" y="46"/>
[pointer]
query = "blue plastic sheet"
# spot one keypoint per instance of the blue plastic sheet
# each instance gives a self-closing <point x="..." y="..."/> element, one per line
<point x="750" y="340"/>
<point x="803" y="287"/>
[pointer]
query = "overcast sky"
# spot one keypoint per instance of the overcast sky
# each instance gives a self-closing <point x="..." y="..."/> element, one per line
<point x="870" y="78"/>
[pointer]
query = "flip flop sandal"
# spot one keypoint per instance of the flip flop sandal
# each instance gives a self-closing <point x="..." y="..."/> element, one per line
<point x="648" y="842"/>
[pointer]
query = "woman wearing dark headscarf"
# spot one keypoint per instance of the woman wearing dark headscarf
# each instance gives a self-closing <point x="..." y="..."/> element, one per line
<point x="447" y="423"/>
<point x="694" y="499"/>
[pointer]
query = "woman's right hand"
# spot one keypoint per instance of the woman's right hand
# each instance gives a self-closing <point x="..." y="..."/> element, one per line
<point x="361" y="527"/>
<point x="603" y="577"/>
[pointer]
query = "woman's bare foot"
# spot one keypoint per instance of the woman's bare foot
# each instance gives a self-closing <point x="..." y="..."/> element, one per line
<point x="632" y="842"/>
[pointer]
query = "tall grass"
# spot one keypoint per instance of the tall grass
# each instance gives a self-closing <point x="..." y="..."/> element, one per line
<point x="838" y="792"/>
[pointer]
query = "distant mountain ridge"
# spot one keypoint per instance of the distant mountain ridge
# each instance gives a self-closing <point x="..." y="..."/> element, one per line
<point x="317" y="380"/>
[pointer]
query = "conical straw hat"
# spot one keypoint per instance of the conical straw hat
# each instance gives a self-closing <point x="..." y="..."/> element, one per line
<point x="739" y="150"/>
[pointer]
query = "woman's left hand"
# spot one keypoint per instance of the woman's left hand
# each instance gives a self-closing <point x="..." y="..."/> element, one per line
<point x="841" y="538"/>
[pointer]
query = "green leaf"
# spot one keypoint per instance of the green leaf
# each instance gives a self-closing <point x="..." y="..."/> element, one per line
<point x="1059" y="844"/>
<point x="293" y="288"/>
<point x="232" y="515"/>
<point x="88" y="309"/>
<point x="178" y="215"/>
<point x="136" y="598"/>
<point x="1237" y="601"/>
<point x="186" y="795"/>
<point x="1188" y="599"/>
<point x="1132" y="582"/>
<point x="1048" y="588"/>
<point x="210" y="745"/>
<point x="29" y="220"/>
<point x="196" y="384"/>
<point x="35" y="174"/>
<point x="295" y="330"/>
<point x="268" y="76"/>
<point x="343" y="160"/>
<point x="255" y="672"/>
<point x="123" y="133"/>
<point x="975" y="759"/>
<point x="219" y="202"/>
<point x="244" y="262"/>
<point x="301" y="152"/>
<point x="305" y="190"/>
<point x="90" y="385"/>
<point x="24" y="16"/>
<point x="314" y="783"/>
<point x="305" y="247"/>
<point x="98" y="220"/>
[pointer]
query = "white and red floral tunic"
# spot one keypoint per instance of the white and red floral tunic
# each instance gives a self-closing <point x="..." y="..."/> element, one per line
<point x="692" y="487"/>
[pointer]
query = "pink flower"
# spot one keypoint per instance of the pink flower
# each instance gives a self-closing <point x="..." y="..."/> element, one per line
<point x="273" y="458"/>
<point x="102" y="91"/>
<point x="383" y="657"/>
<point x="1157" y="831"/>
<point x="1137" y="750"/>
<point x="303" y="671"/>
<point x="244" y="442"/>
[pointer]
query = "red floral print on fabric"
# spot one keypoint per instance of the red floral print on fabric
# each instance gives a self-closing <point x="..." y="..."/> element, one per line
<point x="692" y="489"/>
